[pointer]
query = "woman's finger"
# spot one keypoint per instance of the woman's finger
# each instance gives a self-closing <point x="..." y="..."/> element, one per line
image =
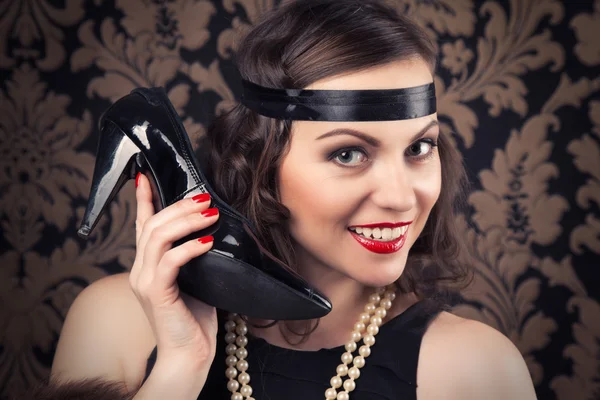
<point x="145" y="208"/>
<point x="172" y="260"/>
<point x="179" y="209"/>
<point x="163" y="237"/>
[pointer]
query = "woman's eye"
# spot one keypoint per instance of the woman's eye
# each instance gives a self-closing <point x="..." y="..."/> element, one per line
<point x="350" y="157"/>
<point x="421" y="148"/>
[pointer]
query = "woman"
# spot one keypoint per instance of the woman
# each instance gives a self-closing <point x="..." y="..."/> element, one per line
<point x="353" y="207"/>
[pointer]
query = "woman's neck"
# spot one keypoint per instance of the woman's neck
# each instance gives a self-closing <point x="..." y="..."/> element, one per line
<point x="335" y="328"/>
<point x="348" y="298"/>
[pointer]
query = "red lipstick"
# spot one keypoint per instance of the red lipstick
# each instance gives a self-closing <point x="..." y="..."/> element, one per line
<point x="378" y="246"/>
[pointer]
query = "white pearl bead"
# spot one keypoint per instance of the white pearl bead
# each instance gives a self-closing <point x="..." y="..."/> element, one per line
<point x="233" y="386"/>
<point x="244" y="378"/>
<point x="237" y="396"/>
<point x="370" y="308"/>
<point x="242" y="365"/>
<point x="359" y="326"/>
<point x="354" y="373"/>
<point x="372" y="329"/>
<point x="342" y="370"/>
<point x="343" y="396"/>
<point x="241" y="329"/>
<point x="351" y="346"/>
<point x="230" y="337"/>
<point x="375" y="320"/>
<point x="347" y="357"/>
<point x="231" y="361"/>
<point x="374" y="298"/>
<point x="369" y="340"/>
<point x="230" y="349"/>
<point x="241" y="341"/>
<point x="229" y="326"/>
<point x="231" y="372"/>
<point x="356" y="336"/>
<point x="349" y="385"/>
<point x="390" y="295"/>
<point x="330" y="393"/>
<point x="336" y="381"/>
<point x="365" y="318"/>
<point x="359" y="361"/>
<point x="386" y="303"/>
<point x="242" y="353"/>
<point x="246" y="391"/>
<point x="364" y="351"/>
<point x="380" y="312"/>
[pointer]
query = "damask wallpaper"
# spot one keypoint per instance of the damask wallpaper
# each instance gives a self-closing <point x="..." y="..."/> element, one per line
<point x="518" y="84"/>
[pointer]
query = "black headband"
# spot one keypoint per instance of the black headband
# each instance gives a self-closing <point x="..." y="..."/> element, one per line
<point x="340" y="105"/>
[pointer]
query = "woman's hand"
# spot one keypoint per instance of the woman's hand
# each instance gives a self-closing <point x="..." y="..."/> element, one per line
<point x="185" y="328"/>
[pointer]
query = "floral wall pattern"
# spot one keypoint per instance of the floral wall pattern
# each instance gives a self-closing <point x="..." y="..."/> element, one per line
<point x="518" y="85"/>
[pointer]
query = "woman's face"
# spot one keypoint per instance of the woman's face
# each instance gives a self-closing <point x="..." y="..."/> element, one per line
<point x="381" y="181"/>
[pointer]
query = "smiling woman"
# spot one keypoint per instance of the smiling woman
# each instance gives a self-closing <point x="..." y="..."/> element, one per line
<point x="353" y="204"/>
<point x="353" y="195"/>
<point x="336" y="157"/>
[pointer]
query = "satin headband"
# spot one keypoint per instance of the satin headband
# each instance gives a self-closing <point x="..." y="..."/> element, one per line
<point x="340" y="105"/>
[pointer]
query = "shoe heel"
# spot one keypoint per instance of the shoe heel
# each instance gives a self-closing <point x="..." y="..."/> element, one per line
<point x="115" y="165"/>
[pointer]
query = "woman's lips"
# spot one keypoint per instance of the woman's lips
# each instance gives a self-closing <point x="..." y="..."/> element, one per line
<point x="378" y="246"/>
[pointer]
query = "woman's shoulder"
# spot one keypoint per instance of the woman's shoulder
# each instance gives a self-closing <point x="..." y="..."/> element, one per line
<point x="106" y="334"/>
<point x="466" y="359"/>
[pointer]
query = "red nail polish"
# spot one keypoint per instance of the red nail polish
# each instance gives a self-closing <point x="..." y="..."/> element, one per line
<point x="206" y="239"/>
<point x="210" y="212"/>
<point x="201" y="198"/>
<point x="137" y="179"/>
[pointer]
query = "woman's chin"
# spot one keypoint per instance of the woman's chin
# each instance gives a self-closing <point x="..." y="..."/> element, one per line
<point x="380" y="273"/>
<point x="380" y="277"/>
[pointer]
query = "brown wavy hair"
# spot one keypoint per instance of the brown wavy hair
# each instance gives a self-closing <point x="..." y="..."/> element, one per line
<point x="291" y="47"/>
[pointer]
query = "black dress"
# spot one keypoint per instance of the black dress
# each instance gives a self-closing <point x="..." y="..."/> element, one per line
<point x="390" y="372"/>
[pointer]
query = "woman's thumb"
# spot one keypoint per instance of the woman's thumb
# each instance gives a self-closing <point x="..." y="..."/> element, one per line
<point x="145" y="208"/>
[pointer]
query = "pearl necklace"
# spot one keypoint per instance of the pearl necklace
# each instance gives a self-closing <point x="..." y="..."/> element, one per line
<point x="236" y="340"/>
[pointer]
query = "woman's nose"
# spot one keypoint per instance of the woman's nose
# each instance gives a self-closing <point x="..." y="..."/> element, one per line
<point x="394" y="189"/>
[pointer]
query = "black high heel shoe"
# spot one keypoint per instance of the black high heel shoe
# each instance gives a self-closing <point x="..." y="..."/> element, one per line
<point x="142" y="132"/>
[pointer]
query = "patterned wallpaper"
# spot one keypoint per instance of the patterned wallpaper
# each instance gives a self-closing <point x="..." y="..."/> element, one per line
<point x="518" y="84"/>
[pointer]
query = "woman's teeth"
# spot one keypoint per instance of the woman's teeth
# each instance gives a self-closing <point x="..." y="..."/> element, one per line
<point x="383" y="234"/>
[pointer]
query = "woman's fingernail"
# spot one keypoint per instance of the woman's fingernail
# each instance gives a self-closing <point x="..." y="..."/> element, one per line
<point x="201" y="198"/>
<point x="137" y="179"/>
<point x="206" y="239"/>
<point x="209" y="212"/>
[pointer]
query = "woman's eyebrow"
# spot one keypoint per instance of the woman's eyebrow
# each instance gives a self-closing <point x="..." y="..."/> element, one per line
<point x="370" y="139"/>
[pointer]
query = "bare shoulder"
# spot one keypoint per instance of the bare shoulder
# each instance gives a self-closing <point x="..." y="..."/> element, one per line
<point x="466" y="359"/>
<point x="105" y="335"/>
